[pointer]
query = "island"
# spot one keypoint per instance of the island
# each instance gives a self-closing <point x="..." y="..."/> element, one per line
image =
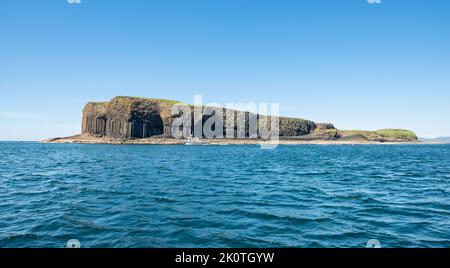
<point x="137" y="120"/>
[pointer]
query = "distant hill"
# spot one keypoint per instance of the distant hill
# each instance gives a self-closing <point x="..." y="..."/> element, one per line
<point x="436" y="140"/>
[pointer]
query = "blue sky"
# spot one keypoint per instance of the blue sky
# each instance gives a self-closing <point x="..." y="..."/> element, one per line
<point x="355" y="64"/>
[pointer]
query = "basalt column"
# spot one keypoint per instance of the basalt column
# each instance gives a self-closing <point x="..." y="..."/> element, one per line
<point x="94" y="125"/>
<point x="94" y="119"/>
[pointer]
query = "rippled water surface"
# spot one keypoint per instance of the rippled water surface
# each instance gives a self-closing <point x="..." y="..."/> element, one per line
<point x="224" y="196"/>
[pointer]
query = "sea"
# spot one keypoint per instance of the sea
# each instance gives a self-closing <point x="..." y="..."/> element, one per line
<point x="240" y="196"/>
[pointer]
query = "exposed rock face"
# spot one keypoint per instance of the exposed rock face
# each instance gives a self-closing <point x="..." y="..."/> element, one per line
<point x="94" y="118"/>
<point x="125" y="118"/>
<point x="131" y="118"/>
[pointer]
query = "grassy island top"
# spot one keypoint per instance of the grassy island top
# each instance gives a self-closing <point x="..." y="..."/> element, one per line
<point x="132" y="98"/>
<point x="397" y="134"/>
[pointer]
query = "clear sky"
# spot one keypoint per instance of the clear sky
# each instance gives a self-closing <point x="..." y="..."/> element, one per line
<point x="355" y="64"/>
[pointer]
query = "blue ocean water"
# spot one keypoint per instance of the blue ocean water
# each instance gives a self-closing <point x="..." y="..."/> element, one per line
<point x="224" y="196"/>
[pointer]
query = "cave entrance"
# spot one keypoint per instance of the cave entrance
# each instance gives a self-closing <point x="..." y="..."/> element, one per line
<point x="148" y="127"/>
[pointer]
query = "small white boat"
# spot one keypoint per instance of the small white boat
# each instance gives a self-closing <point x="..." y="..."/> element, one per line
<point x="196" y="141"/>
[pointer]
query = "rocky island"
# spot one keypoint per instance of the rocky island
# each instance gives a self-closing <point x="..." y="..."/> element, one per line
<point x="135" y="120"/>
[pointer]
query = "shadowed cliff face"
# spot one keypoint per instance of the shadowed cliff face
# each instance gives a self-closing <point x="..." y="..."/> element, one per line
<point x="129" y="117"/>
<point x="126" y="118"/>
<point x="94" y="118"/>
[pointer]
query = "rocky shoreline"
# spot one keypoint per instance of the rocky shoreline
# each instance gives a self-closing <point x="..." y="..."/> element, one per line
<point x="89" y="139"/>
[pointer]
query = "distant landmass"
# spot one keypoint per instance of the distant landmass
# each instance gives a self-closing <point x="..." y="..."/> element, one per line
<point x="148" y="120"/>
<point x="436" y="140"/>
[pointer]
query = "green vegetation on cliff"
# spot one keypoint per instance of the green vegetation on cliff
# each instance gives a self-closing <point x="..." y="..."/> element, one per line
<point x="382" y="134"/>
<point x="134" y="99"/>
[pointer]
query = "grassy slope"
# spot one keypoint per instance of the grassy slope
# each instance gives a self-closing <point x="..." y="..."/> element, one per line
<point x="390" y="134"/>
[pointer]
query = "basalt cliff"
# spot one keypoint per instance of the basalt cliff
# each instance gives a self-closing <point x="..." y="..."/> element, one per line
<point x="146" y="120"/>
